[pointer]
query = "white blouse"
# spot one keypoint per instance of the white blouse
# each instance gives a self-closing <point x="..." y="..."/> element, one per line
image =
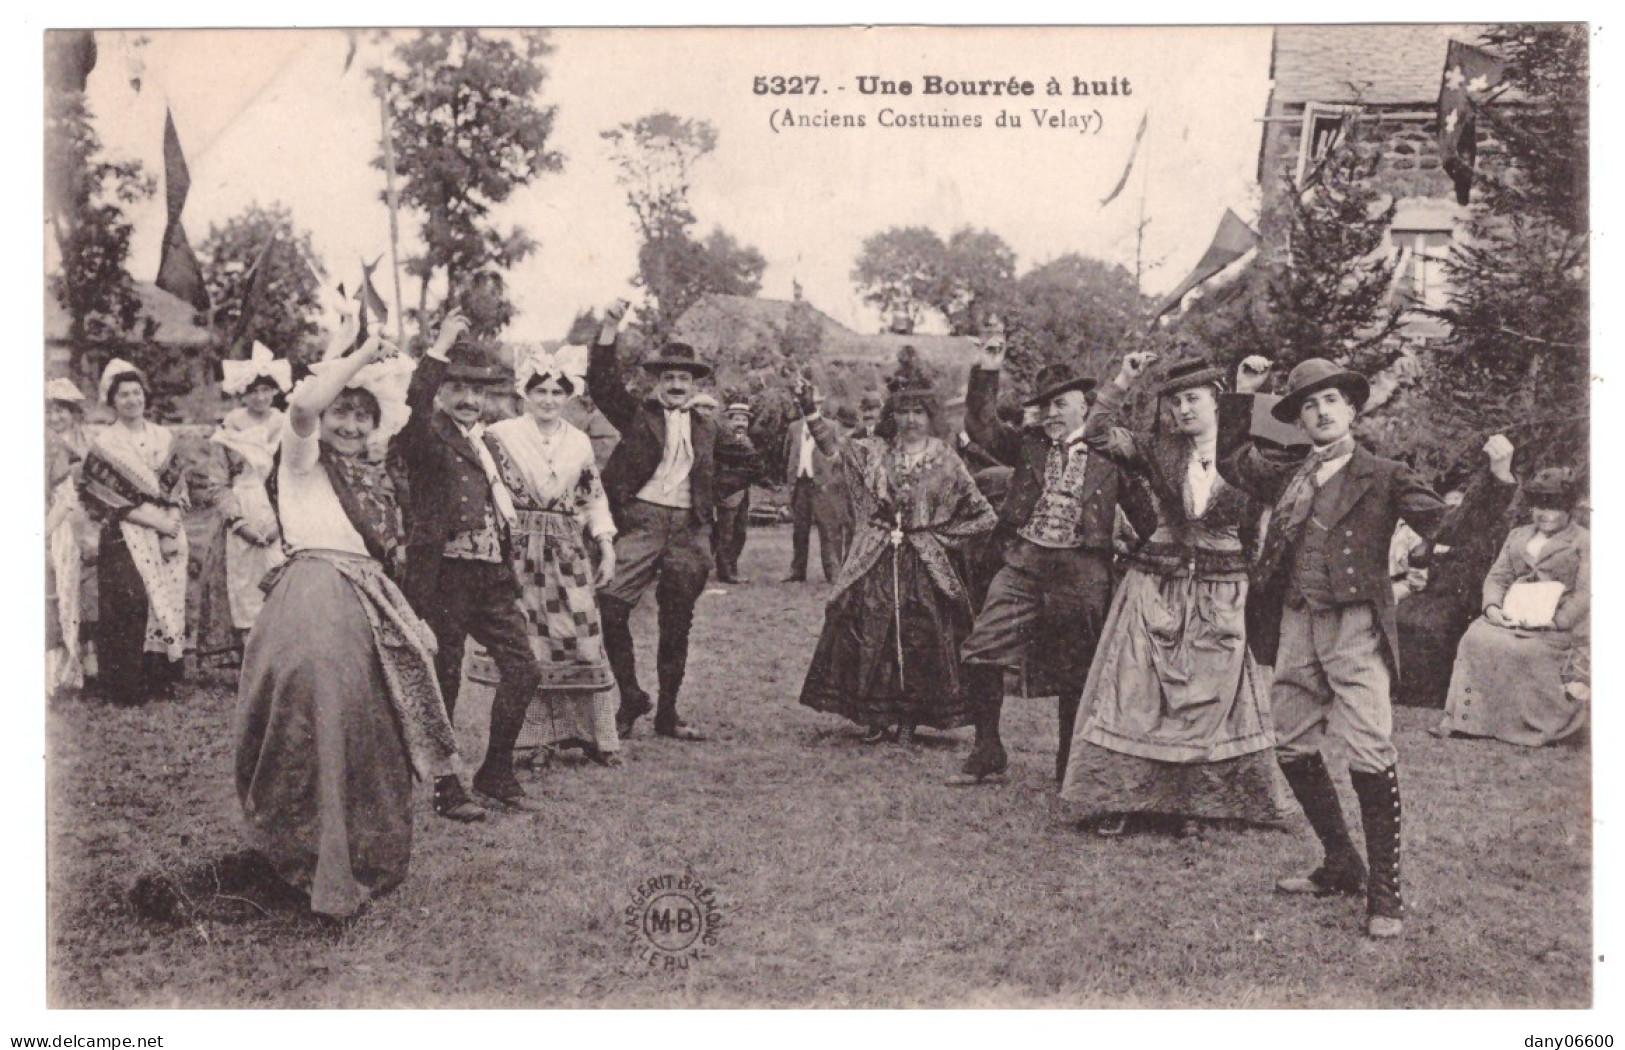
<point x="552" y="464"/>
<point x="312" y="517"/>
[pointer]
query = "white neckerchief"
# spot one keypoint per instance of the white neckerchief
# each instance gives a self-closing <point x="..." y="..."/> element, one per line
<point x="804" y="469"/>
<point x="499" y="491"/>
<point x="1199" y="479"/>
<point x="668" y="485"/>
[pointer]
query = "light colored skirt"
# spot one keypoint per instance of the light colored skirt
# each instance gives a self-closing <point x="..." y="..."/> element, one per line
<point x="1175" y="715"/>
<point x="1519" y="686"/>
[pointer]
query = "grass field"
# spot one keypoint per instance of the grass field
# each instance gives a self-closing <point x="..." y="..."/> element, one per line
<point x="845" y="875"/>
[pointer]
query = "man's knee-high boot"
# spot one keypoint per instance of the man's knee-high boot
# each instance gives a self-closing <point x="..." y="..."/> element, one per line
<point x="495" y="777"/>
<point x="984" y="684"/>
<point x="617" y="621"/>
<point x="1342" y="871"/>
<point x="1379" y="811"/>
<point x="676" y="618"/>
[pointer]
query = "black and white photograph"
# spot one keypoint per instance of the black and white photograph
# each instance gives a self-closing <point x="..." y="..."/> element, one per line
<point x="816" y="517"/>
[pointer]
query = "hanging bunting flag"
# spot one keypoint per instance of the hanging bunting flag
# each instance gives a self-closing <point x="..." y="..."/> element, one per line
<point x="1469" y="75"/>
<point x="1134" y="151"/>
<point x="178" y="271"/>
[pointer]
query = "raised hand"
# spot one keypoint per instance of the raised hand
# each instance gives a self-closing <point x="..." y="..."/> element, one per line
<point x="451" y="329"/>
<point x="993" y="350"/>
<point x="343" y="336"/>
<point x="1251" y="373"/>
<point x="808" y="398"/>
<point x="1500" y="451"/>
<point x="1135" y="365"/>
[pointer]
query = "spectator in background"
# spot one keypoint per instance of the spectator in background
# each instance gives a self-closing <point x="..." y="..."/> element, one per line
<point x="134" y="484"/>
<point x="737" y="468"/>
<point x="1527" y="681"/>
<point x="65" y="447"/>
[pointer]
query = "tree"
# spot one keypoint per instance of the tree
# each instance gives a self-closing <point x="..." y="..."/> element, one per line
<point x="977" y="273"/>
<point x="1330" y="294"/>
<point x="87" y="194"/>
<point x="656" y="155"/>
<point x="286" y="304"/>
<point x="1520" y="279"/>
<point x="468" y="131"/>
<point x="1072" y="310"/>
<point x="900" y="271"/>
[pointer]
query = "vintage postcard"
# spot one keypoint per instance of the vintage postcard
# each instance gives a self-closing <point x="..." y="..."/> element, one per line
<point x="441" y="424"/>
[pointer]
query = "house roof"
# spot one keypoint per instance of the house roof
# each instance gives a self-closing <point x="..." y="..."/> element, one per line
<point x="717" y="319"/>
<point x="1374" y="64"/>
<point x="172" y="317"/>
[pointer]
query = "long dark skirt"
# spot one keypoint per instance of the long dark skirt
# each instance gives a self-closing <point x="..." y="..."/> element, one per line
<point x="854" y="670"/>
<point x="323" y="773"/>
<point x="126" y="674"/>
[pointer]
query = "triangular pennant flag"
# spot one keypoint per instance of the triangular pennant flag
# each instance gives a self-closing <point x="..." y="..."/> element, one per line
<point x="178" y="271"/>
<point x="1233" y="239"/>
<point x="1469" y="75"/>
<point x="354" y="39"/>
<point x="367" y="295"/>
<point x="1128" y="168"/>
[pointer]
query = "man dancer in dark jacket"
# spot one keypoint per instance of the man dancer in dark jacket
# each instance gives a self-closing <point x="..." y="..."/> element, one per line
<point x="661" y="484"/>
<point x="1320" y="609"/>
<point x="459" y="571"/>
<point x="1049" y="601"/>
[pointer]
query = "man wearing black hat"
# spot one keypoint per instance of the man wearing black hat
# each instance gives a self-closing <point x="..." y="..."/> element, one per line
<point x="1321" y="611"/>
<point x="459" y="574"/>
<point x="1049" y="601"/>
<point x="661" y="483"/>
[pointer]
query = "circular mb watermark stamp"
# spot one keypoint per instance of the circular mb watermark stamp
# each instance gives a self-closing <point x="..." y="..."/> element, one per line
<point x="672" y="921"/>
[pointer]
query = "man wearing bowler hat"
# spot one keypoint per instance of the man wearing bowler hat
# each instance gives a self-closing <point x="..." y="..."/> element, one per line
<point x="459" y="571"/>
<point x="1048" y="602"/>
<point x="661" y="482"/>
<point x="1321" y="610"/>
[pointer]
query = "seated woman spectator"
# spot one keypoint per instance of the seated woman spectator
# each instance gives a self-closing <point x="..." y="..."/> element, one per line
<point x="1519" y="677"/>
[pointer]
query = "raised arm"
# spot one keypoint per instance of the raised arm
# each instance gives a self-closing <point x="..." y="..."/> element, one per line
<point x="426" y="379"/>
<point x="1431" y="517"/>
<point x="604" y="376"/>
<point x="1101" y="432"/>
<point x="982" y="423"/>
<point x="1260" y="473"/>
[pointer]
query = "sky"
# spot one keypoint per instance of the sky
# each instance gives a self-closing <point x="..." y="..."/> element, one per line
<point x="269" y="115"/>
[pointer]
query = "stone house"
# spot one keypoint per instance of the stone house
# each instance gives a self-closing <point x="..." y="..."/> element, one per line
<point x="1388" y="74"/>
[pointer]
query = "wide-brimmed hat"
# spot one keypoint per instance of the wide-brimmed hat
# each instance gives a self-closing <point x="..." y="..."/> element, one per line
<point x="847" y="416"/>
<point x="64" y="391"/>
<point x="470" y="364"/>
<point x="1057" y="379"/>
<point x="1550" y="486"/>
<point x="1310" y="377"/>
<point x="678" y="356"/>
<point x="1188" y="375"/>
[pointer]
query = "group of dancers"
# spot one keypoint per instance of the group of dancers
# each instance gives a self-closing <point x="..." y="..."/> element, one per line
<point x="1189" y="663"/>
<point x="1184" y="683"/>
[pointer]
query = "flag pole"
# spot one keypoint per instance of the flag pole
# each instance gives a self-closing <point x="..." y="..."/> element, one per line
<point x="394" y="206"/>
